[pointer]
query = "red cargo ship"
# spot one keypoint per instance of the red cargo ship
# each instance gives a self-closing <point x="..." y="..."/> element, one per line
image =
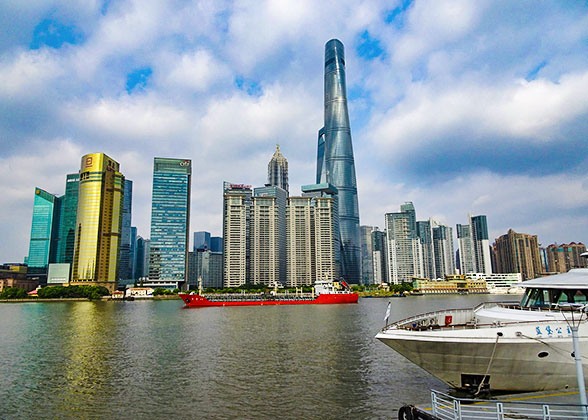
<point x="325" y="293"/>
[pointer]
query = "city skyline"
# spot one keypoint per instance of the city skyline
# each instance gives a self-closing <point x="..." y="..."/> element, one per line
<point x="459" y="122"/>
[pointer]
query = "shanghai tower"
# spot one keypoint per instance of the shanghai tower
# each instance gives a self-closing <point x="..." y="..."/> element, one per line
<point x="335" y="163"/>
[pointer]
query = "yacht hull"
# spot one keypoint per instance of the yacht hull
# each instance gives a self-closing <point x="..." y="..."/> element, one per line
<point x="520" y="360"/>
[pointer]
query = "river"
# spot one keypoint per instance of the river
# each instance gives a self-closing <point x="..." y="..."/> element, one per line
<point x="156" y="359"/>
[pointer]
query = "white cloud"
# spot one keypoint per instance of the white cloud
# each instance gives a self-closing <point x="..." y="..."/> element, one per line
<point x="194" y="71"/>
<point x="534" y="111"/>
<point x="27" y="72"/>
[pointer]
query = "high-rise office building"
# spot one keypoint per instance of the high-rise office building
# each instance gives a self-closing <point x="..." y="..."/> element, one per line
<point x="474" y="247"/>
<point x="367" y="257"/>
<point x="443" y="251"/>
<point x="277" y="170"/>
<point x="405" y="255"/>
<point x="98" y="224"/>
<point x="335" y="162"/>
<point x="205" y="265"/>
<point x="216" y="244"/>
<point x="44" y="241"/>
<point x="425" y="235"/>
<point x="125" y="267"/>
<point x="280" y="197"/>
<point x="236" y="213"/>
<point x="133" y="251"/>
<point x="201" y="240"/>
<point x="380" y="256"/>
<point x="170" y="222"/>
<point x="518" y="253"/>
<point x="479" y="231"/>
<point x="69" y="214"/>
<point x="141" y="264"/>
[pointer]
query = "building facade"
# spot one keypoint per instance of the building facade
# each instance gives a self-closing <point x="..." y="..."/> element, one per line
<point x="518" y="253"/>
<point x="98" y="223"/>
<point x="265" y="241"/>
<point x="425" y="234"/>
<point x="69" y="214"/>
<point x="170" y="222"/>
<point x="125" y="267"/>
<point x="443" y="251"/>
<point x="277" y="170"/>
<point x="237" y="200"/>
<point x="280" y="197"/>
<point x="44" y="239"/>
<point x="300" y="243"/>
<point x="335" y="161"/>
<point x="474" y="246"/>
<point x="216" y="244"/>
<point x="367" y="255"/>
<point x="201" y="240"/>
<point x="562" y="258"/>
<point x="380" y="256"/>
<point x="405" y="255"/>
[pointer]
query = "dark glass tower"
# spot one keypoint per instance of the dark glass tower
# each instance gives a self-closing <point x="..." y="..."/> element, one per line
<point x="335" y="163"/>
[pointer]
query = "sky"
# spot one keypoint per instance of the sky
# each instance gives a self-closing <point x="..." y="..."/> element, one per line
<point x="458" y="106"/>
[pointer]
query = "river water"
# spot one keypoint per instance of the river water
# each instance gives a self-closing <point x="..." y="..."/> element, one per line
<point x="156" y="359"/>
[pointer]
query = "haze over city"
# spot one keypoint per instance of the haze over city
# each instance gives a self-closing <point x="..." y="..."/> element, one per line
<point x="459" y="107"/>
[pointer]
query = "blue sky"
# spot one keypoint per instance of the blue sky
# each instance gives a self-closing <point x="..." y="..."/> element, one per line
<point x="459" y="106"/>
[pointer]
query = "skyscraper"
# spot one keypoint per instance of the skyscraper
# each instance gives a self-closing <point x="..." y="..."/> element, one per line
<point x="43" y="246"/>
<point x="98" y="223"/>
<point x="277" y="170"/>
<point x="69" y="213"/>
<point x="216" y="244"/>
<point x="479" y="230"/>
<point x="474" y="247"/>
<point x="170" y="222"/>
<point x="380" y="256"/>
<point x="299" y="247"/>
<point x="236" y="250"/>
<point x="201" y="240"/>
<point x="405" y="255"/>
<point x="425" y="235"/>
<point x="367" y="258"/>
<point x="518" y="253"/>
<point x="326" y="246"/>
<point x="281" y="200"/>
<point x="443" y="251"/>
<point x="125" y="267"/>
<point x="335" y="162"/>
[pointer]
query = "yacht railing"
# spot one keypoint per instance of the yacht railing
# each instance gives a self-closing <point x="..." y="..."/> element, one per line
<point x="458" y="318"/>
<point x="446" y="407"/>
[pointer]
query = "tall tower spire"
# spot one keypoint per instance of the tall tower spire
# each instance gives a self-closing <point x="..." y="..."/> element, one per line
<point x="277" y="170"/>
<point x="335" y="163"/>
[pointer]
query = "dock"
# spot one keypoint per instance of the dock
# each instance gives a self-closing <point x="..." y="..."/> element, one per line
<point x="546" y="405"/>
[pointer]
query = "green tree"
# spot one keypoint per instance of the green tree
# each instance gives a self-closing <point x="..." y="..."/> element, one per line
<point x="13" y="293"/>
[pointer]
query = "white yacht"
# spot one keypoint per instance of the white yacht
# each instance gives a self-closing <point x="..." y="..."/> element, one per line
<point x="524" y="346"/>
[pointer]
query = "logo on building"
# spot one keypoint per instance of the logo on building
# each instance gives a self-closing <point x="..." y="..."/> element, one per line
<point x="185" y="163"/>
<point x="88" y="161"/>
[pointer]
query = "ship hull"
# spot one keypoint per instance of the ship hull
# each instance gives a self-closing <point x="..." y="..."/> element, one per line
<point x="518" y="361"/>
<point x="200" y="301"/>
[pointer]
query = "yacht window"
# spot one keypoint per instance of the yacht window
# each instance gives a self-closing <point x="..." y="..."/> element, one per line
<point x="536" y="298"/>
<point x="579" y="297"/>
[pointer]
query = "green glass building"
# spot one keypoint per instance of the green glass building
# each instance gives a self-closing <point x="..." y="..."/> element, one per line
<point x="43" y="246"/>
<point x="67" y="225"/>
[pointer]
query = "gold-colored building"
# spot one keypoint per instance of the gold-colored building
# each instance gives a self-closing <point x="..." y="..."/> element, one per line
<point x="98" y="224"/>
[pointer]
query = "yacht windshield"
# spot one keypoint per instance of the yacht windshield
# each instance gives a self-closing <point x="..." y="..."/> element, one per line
<point x="546" y="298"/>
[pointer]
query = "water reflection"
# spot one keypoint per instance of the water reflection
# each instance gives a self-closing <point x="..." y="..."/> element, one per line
<point x="148" y="359"/>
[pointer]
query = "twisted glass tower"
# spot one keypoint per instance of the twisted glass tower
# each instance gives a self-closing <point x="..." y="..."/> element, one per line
<point x="335" y="163"/>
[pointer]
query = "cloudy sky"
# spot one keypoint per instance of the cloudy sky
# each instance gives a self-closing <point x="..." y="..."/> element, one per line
<point x="459" y="106"/>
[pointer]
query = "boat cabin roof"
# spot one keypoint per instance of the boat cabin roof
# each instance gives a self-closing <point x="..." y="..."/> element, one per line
<point x="576" y="278"/>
